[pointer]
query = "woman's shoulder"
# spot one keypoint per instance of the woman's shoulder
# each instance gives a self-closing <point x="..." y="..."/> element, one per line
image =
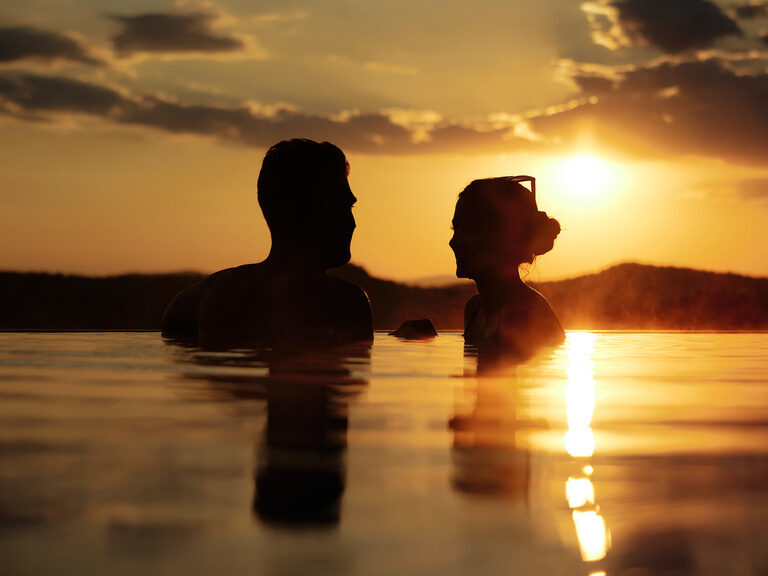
<point x="471" y="309"/>
<point x="529" y="321"/>
<point x="473" y="304"/>
<point x="535" y="302"/>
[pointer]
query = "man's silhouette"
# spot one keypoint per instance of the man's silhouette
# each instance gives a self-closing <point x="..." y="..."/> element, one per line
<point x="286" y="300"/>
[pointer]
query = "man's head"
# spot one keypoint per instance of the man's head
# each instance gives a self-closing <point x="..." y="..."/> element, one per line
<point x="306" y="199"/>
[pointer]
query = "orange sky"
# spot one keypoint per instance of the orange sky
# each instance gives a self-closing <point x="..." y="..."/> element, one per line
<point x="125" y="151"/>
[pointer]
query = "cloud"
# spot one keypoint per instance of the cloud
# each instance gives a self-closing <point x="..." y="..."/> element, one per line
<point x="391" y="68"/>
<point x="25" y="42"/>
<point x="746" y="188"/>
<point x="751" y="10"/>
<point x="35" y="97"/>
<point x="694" y="107"/>
<point x="755" y="189"/>
<point x="672" y="107"/>
<point x="270" y="18"/>
<point x="374" y="65"/>
<point x="670" y="25"/>
<point x="32" y="96"/>
<point x="172" y="33"/>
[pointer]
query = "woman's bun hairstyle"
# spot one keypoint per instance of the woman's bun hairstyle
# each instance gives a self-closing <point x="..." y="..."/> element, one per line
<point x="544" y="230"/>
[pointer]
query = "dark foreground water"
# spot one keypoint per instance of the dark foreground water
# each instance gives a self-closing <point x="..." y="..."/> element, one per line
<point x="618" y="453"/>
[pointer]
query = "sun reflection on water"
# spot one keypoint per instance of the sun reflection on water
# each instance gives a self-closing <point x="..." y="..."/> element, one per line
<point x="592" y="534"/>
<point x="580" y="396"/>
<point x="579" y="492"/>
<point x="591" y="530"/>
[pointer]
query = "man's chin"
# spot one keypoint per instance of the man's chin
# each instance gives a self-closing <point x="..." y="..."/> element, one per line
<point x="339" y="260"/>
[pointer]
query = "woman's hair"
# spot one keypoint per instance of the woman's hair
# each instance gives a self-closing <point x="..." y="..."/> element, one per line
<point x="538" y="230"/>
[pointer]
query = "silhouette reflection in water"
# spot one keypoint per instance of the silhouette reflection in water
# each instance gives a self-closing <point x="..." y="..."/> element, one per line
<point x="487" y="457"/>
<point x="301" y="473"/>
<point x="300" y="470"/>
<point x="286" y="300"/>
<point x="496" y="228"/>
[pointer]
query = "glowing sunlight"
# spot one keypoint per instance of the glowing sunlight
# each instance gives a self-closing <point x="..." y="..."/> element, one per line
<point x="584" y="177"/>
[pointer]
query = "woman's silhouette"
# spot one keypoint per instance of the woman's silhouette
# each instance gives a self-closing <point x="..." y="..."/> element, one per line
<point x="496" y="228"/>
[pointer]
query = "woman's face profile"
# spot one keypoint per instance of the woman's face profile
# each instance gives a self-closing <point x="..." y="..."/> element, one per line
<point x="472" y="241"/>
<point x="486" y="236"/>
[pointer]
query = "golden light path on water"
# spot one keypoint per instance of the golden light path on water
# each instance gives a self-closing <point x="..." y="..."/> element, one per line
<point x="592" y="533"/>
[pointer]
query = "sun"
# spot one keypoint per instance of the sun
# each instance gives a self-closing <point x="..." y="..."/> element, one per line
<point x="584" y="177"/>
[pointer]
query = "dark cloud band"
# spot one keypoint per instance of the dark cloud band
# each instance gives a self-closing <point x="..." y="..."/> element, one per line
<point x="681" y="107"/>
<point x="695" y="107"/>
<point x="160" y="32"/>
<point x="25" y="42"/>
<point x="672" y="26"/>
<point x="751" y="10"/>
<point x="40" y="97"/>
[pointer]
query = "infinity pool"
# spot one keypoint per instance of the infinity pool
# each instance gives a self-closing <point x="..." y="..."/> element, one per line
<point x="617" y="453"/>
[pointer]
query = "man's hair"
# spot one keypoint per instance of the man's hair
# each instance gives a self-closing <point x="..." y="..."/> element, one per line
<point x="294" y="178"/>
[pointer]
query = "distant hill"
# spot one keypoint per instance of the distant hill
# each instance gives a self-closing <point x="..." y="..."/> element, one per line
<point x="637" y="296"/>
<point x="627" y="296"/>
<point x="65" y="302"/>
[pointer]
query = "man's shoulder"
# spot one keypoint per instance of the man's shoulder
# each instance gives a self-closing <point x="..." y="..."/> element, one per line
<point x="236" y="272"/>
<point x="343" y="286"/>
<point x="181" y="314"/>
<point x="341" y="295"/>
<point x="237" y="277"/>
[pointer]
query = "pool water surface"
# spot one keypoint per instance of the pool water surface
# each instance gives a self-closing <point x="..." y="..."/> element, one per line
<point x="616" y="453"/>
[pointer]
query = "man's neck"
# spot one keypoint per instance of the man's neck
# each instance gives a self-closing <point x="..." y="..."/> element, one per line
<point x="295" y="259"/>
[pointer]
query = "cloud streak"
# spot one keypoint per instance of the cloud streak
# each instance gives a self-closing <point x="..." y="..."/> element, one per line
<point x="29" y="43"/>
<point x="172" y="33"/>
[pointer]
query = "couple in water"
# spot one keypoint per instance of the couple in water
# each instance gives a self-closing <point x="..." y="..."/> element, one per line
<point x="289" y="300"/>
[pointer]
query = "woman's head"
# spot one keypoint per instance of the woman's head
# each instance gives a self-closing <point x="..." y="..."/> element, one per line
<point x="497" y="227"/>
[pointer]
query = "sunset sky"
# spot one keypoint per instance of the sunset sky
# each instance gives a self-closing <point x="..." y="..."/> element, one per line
<point x="132" y="133"/>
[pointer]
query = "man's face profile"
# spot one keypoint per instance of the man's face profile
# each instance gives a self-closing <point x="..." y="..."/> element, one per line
<point x="337" y="223"/>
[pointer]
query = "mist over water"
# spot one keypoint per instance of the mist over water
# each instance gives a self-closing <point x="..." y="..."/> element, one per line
<point x="616" y="452"/>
